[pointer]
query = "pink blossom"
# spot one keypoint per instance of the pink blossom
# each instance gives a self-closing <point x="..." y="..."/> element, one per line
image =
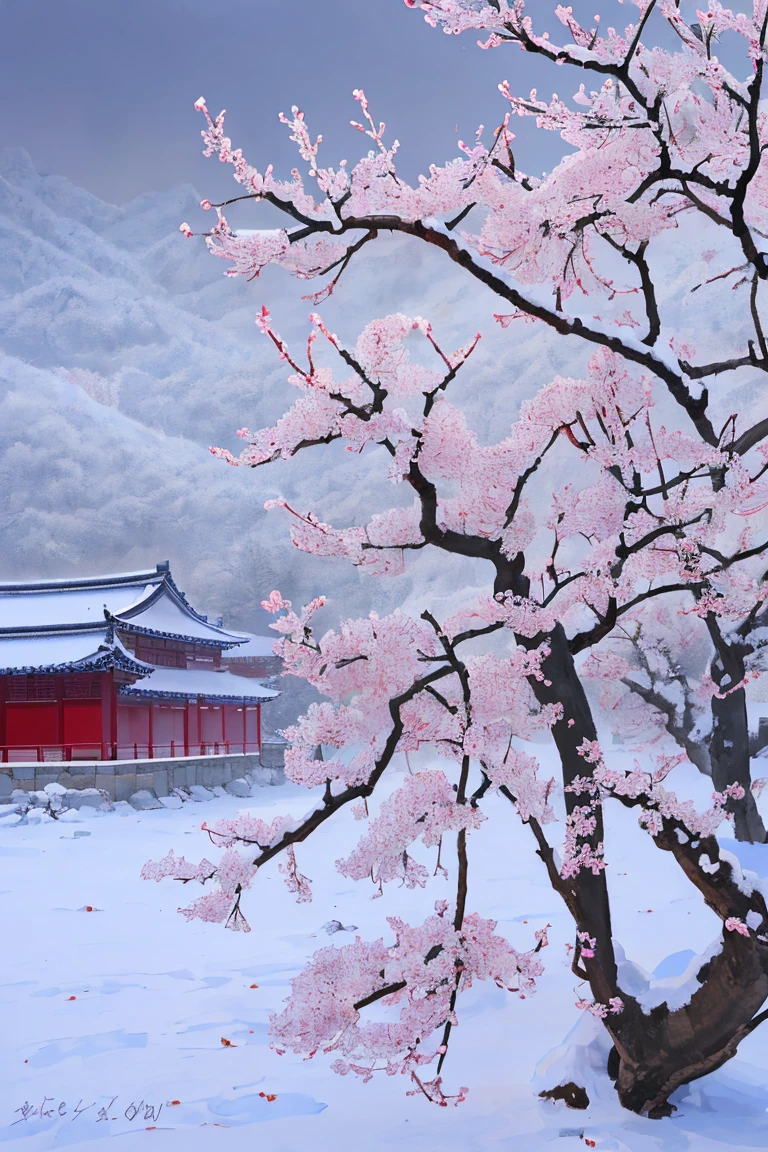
<point x="420" y="968"/>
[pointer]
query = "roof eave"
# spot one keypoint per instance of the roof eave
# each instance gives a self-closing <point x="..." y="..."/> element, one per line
<point x="223" y="641"/>
<point x="148" y="691"/>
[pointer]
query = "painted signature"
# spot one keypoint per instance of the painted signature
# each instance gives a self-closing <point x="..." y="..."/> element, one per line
<point x="51" y="1108"/>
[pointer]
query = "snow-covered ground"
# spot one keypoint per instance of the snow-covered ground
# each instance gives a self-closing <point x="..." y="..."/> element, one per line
<point x="114" y="1019"/>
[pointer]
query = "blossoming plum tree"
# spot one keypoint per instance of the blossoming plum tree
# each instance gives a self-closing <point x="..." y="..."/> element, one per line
<point x="666" y="504"/>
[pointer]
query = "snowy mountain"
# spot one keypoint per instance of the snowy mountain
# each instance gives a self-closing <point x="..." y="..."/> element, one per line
<point x="127" y="353"/>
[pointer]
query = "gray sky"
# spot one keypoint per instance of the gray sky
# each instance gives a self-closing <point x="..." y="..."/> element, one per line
<point x="101" y="91"/>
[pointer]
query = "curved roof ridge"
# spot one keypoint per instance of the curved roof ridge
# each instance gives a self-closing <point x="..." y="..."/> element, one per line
<point x="83" y="582"/>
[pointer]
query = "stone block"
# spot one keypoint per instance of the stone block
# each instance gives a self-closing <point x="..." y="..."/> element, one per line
<point x="107" y="784"/>
<point x="161" y="781"/>
<point x="273" y="753"/>
<point x="206" y="776"/>
<point x="6" y="784"/>
<point x="24" y="773"/>
<point x="79" y="782"/>
<point x="125" y="767"/>
<point x="125" y="785"/>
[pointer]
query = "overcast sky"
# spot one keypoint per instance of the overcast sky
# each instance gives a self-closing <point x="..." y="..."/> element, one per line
<point x="101" y="91"/>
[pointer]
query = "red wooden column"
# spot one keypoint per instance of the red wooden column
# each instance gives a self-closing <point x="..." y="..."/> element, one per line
<point x="113" y="726"/>
<point x="59" y="690"/>
<point x="108" y="714"/>
<point x="258" y="726"/>
<point x="3" y="728"/>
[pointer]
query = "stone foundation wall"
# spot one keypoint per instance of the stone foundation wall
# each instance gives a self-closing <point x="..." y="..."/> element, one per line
<point x="121" y="778"/>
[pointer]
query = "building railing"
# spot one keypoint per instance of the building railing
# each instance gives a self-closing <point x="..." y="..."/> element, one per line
<point x="122" y="750"/>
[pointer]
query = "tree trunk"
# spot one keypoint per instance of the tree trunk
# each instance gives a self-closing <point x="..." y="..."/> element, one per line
<point x="729" y="754"/>
<point x="729" y="740"/>
<point x="563" y="686"/>
<point x="660" y="1052"/>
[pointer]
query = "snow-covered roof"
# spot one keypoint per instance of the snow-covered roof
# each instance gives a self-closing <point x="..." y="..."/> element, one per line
<point x="147" y="602"/>
<point x="166" y="615"/>
<point x="255" y="647"/>
<point x="63" y="651"/>
<point x="187" y="683"/>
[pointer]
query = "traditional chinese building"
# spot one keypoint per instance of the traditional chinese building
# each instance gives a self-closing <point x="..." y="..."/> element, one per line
<point x="117" y="668"/>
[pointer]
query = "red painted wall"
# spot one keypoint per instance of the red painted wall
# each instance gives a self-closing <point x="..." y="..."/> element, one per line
<point x="33" y="723"/>
<point x="168" y="729"/>
<point x="132" y="729"/>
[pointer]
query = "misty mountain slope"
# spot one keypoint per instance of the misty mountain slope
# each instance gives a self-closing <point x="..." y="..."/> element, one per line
<point x="83" y="488"/>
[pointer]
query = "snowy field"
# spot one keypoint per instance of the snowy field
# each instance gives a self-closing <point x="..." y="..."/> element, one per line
<point x="114" y="1019"/>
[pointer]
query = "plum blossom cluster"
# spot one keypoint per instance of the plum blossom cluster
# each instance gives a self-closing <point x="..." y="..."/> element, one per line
<point x="414" y="979"/>
<point x="658" y="804"/>
<point x="233" y="873"/>
<point x="614" y="1006"/>
<point x="229" y="878"/>
<point x="581" y="824"/>
<point x="424" y="808"/>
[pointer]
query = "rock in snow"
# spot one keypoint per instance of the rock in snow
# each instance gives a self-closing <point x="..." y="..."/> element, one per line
<point x="171" y="801"/>
<point x="238" y="787"/>
<point x="144" y="800"/>
<point x="87" y="798"/>
<point x="200" y="794"/>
